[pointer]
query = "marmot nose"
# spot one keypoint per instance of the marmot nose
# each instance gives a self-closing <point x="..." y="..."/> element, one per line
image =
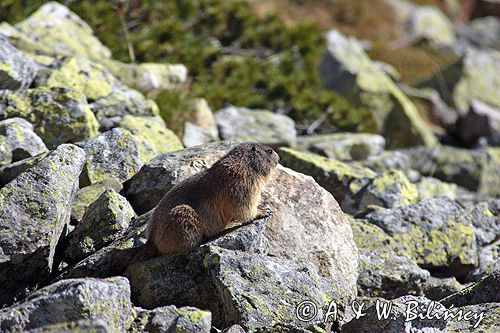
<point x="277" y="157"/>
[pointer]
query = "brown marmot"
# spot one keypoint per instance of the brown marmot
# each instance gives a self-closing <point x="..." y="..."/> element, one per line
<point x="203" y="205"/>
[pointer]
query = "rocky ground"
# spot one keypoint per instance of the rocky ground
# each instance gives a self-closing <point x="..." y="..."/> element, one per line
<point x="390" y="216"/>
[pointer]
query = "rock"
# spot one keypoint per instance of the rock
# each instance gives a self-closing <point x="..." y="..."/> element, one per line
<point x="148" y="77"/>
<point x="472" y="77"/>
<point x="423" y="22"/>
<point x="36" y="209"/>
<point x="439" y="288"/>
<point x="248" y="238"/>
<point x="348" y="70"/>
<point x="91" y="326"/>
<point x="390" y="189"/>
<point x="486" y="290"/>
<point x="152" y="136"/>
<point x="109" y="99"/>
<point x="60" y="115"/>
<point x="243" y="284"/>
<point x="106" y="218"/>
<point x="11" y="171"/>
<point x="384" y="268"/>
<point x="342" y="180"/>
<point x="173" y="319"/>
<point x="481" y="32"/>
<point x="87" y="195"/>
<point x="203" y="127"/>
<point x="387" y="161"/>
<point x="71" y="300"/>
<point x="55" y="30"/>
<point x="17" y="71"/>
<point x="145" y="189"/>
<point x="242" y="124"/>
<point x="195" y="135"/>
<point x="23" y="142"/>
<point x="428" y="187"/>
<point x="113" y="154"/>
<point x="489" y="261"/>
<point x="5" y="152"/>
<point x="476" y="170"/>
<point x="343" y="146"/>
<point x="437" y="233"/>
<point x="486" y="221"/>
<point x="480" y="121"/>
<point x="234" y="329"/>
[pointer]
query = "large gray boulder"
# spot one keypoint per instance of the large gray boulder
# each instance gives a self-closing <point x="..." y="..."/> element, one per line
<point x="242" y="124"/>
<point x="36" y="208"/>
<point x="173" y="319"/>
<point x="473" y="77"/>
<point x="113" y="154"/>
<point x="437" y="233"/>
<point x="347" y="69"/>
<point x="17" y="71"/>
<point x="23" y="142"/>
<point x="60" y="115"/>
<point x="486" y="290"/>
<point x="70" y="300"/>
<point x="106" y="218"/>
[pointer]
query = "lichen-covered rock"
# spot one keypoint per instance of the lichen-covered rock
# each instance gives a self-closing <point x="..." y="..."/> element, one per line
<point x="473" y="76"/>
<point x="5" y="152"/>
<point x="147" y="77"/>
<point x="476" y="170"/>
<point x="428" y="187"/>
<point x="17" y="71"/>
<point x="106" y="218"/>
<point x="81" y="326"/>
<point x="173" y="319"/>
<point x="113" y="154"/>
<point x="384" y="269"/>
<point x="486" y="290"/>
<point x="437" y="233"/>
<point x="203" y="127"/>
<point x="390" y="189"/>
<point x="109" y="99"/>
<point x="23" y="142"/>
<point x="34" y="210"/>
<point x="438" y="288"/>
<point x="237" y="287"/>
<point x="486" y="221"/>
<point x="489" y="261"/>
<point x="60" y="115"/>
<point x="87" y="195"/>
<point x="343" y="146"/>
<point x="482" y="32"/>
<point x="342" y="180"/>
<point x="71" y="300"/>
<point x="55" y="30"/>
<point x="153" y="137"/>
<point x="289" y="195"/>
<point x="347" y="69"/>
<point x="241" y="124"/>
<point x="10" y="171"/>
<point x="423" y="22"/>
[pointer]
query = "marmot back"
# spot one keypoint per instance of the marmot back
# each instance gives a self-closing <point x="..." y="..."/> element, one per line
<point x="203" y="205"/>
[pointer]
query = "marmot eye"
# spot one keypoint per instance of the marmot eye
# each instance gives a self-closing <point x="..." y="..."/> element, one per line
<point x="269" y="151"/>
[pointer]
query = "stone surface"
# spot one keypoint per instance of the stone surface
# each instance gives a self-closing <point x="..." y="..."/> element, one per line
<point x="473" y="77"/>
<point x="480" y="121"/>
<point x="11" y="171"/>
<point x="195" y="135"/>
<point x="153" y="137"/>
<point x="438" y="288"/>
<point x="486" y="221"/>
<point x="70" y="300"/>
<point x="84" y="325"/>
<point x="23" y="142"/>
<point x="105" y="219"/>
<point x="428" y="187"/>
<point x="60" y="115"/>
<point x="385" y="270"/>
<point x="343" y="146"/>
<point x="17" y="71"/>
<point x="35" y="210"/>
<point x="173" y="319"/>
<point x="242" y="124"/>
<point x="481" y="32"/>
<point x="437" y="233"/>
<point x="489" y="261"/>
<point x="113" y="154"/>
<point x="348" y="70"/>
<point x="486" y="290"/>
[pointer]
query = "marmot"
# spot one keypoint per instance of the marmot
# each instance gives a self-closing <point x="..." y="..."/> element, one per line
<point x="203" y="205"/>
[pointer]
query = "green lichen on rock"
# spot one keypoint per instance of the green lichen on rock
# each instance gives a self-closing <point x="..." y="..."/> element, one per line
<point x="429" y="187"/>
<point x="152" y="136"/>
<point x="341" y="179"/>
<point x="60" y="115"/>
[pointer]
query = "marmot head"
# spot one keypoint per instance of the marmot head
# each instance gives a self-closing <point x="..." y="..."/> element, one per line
<point x="249" y="159"/>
